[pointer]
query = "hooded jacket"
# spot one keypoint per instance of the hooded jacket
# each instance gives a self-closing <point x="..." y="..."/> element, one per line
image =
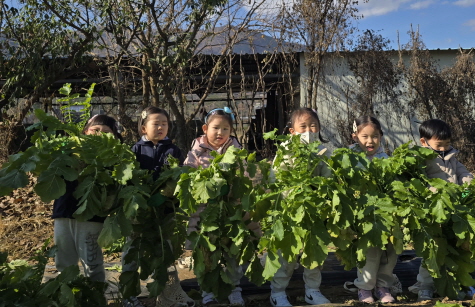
<point x="448" y="168"/>
<point x="154" y="157"/>
<point x="200" y="153"/>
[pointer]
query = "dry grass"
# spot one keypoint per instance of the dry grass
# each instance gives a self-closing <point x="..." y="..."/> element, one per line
<point x="25" y="223"/>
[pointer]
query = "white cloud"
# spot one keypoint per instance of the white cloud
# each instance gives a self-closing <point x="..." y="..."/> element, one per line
<point x="421" y="5"/>
<point x="470" y="24"/>
<point x="465" y="3"/>
<point x="380" y="7"/>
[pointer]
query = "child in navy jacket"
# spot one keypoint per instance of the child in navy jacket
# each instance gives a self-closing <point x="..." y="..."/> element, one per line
<point x="153" y="149"/>
<point x="152" y="152"/>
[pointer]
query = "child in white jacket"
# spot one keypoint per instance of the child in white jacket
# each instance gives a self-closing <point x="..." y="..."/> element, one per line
<point x="303" y="121"/>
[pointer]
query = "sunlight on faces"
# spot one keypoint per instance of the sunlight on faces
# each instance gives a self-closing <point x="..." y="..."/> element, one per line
<point x="436" y="144"/>
<point x="98" y="129"/>
<point x="369" y="139"/>
<point x="305" y="123"/>
<point x="156" y="127"/>
<point x="217" y="131"/>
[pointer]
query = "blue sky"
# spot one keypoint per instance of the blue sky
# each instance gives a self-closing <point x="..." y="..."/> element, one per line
<point x="442" y="24"/>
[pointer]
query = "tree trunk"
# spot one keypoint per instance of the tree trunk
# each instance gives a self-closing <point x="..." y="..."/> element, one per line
<point x="183" y="137"/>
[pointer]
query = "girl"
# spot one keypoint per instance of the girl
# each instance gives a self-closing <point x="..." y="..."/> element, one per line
<point x="78" y="240"/>
<point x="303" y="121"/>
<point x="377" y="273"/>
<point x="152" y="152"/>
<point x="153" y="149"/>
<point x="217" y="130"/>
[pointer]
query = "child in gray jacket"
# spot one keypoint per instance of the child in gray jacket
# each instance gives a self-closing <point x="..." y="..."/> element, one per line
<point x="436" y="135"/>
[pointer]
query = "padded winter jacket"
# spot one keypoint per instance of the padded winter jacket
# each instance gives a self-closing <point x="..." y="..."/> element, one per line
<point x="448" y="168"/>
<point x="200" y="153"/>
<point x="154" y="157"/>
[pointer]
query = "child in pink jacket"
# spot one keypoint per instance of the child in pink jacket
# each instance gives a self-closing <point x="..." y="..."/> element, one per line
<point x="217" y="137"/>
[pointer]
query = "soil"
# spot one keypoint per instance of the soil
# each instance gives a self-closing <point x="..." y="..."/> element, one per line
<point x="26" y="224"/>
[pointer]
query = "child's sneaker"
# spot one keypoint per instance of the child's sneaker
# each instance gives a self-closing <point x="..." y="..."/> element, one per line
<point x="365" y="296"/>
<point x="424" y="295"/>
<point x="279" y="299"/>
<point x="208" y="299"/>
<point x="384" y="295"/>
<point x="235" y="298"/>
<point x="315" y="297"/>
<point x="132" y="302"/>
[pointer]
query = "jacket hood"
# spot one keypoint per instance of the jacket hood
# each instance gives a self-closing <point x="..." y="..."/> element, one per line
<point x="201" y="144"/>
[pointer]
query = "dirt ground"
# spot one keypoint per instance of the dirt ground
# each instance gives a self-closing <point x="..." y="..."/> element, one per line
<point x="25" y="225"/>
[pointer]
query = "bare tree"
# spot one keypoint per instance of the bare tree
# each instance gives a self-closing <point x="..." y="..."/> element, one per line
<point x="38" y="49"/>
<point x="375" y="74"/>
<point x="447" y="94"/>
<point x="164" y="40"/>
<point x="318" y="27"/>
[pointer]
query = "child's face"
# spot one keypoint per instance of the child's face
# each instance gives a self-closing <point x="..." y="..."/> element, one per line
<point x="98" y="129"/>
<point x="369" y="139"/>
<point x="156" y="127"/>
<point x="436" y="144"/>
<point x="217" y="131"/>
<point x="305" y="123"/>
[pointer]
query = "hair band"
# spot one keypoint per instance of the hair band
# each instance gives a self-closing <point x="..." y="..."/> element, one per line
<point x="90" y="119"/>
<point x="226" y="110"/>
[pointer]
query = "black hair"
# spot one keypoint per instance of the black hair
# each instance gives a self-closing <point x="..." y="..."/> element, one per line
<point x="435" y="128"/>
<point x="143" y="118"/>
<point x="219" y="112"/>
<point x="364" y="121"/>
<point x="302" y="111"/>
<point x="104" y="120"/>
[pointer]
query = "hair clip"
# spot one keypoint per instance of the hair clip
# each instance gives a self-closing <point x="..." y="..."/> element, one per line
<point x="144" y="114"/>
<point x="226" y="110"/>
<point x="355" y="127"/>
<point x="314" y="111"/>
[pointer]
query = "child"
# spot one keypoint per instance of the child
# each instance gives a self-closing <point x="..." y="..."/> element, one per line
<point x="152" y="152"/>
<point x="153" y="149"/>
<point x="377" y="273"/>
<point x="436" y="134"/>
<point x="77" y="240"/>
<point x="217" y="137"/>
<point x="303" y="121"/>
